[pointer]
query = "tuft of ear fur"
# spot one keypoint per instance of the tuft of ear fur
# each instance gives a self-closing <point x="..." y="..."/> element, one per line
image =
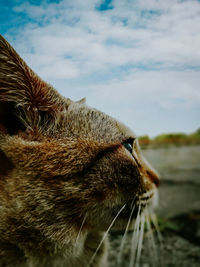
<point x="25" y="99"/>
<point x="82" y="101"/>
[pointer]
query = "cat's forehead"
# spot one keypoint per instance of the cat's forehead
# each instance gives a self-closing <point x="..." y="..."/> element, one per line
<point x="84" y="120"/>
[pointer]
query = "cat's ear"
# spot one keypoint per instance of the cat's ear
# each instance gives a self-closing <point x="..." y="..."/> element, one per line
<point x="82" y="101"/>
<point x="25" y="99"/>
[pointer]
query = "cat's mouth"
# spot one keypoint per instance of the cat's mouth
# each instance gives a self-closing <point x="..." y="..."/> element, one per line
<point x="134" y="207"/>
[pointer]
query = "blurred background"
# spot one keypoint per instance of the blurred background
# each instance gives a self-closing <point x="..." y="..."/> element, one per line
<point x="138" y="61"/>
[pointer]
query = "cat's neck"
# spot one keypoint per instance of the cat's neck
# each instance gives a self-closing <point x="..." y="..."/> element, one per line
<point x="83" y="252"/>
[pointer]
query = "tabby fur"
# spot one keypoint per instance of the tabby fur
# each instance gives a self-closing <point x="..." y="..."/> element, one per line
<point x="64" y="173"/>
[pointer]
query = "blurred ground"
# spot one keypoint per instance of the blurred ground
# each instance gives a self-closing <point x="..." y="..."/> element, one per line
<point x="178" y="211"/>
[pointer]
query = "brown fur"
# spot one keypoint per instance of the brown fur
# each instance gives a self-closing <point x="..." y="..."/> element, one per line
<point x="61" y="164"/>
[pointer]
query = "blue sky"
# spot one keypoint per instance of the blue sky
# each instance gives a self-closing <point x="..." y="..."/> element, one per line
<point x="137" y="60"/>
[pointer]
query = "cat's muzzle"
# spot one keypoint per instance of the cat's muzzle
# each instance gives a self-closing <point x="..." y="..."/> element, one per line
<point x="136" y="206"/>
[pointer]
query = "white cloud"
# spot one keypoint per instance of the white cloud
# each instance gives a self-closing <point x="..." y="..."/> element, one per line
<point x="146" y="52"/>
<point x="160" y="87"/>
<point x="100" y="41"/>
<point x="149" y="102"/>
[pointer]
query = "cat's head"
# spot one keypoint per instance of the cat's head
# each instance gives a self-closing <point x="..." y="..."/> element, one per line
<point x="72" y="163"/>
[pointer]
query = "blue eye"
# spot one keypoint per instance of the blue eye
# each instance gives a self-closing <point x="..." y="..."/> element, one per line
<point x="128" y="144"/>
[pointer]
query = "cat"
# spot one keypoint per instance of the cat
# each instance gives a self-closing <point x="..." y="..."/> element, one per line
<point x="68" y="172"/>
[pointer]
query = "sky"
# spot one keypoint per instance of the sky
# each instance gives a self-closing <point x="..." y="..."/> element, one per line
<point x="136" y="60"/>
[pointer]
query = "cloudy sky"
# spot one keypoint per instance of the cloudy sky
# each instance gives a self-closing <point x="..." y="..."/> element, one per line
<point x="137" y="60"/>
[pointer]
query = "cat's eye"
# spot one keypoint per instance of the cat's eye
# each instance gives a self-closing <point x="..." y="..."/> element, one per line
<point x="128" y="144"/>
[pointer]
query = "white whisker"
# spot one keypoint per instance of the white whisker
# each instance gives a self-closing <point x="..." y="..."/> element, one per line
<point x="140" y="238"/>
<point x="77" y="238"/>
<point x="124" y="236"/>
<point x="105" y="234"/>
<point x="151" y="237"/>
<point x="160" y="238"/>
<point x="134" y="240"/>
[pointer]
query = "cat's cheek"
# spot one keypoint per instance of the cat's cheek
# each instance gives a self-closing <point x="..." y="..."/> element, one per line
<point x="128" y="183"/>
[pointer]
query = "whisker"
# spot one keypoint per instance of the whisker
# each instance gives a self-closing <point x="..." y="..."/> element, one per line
<point x="119" y="258"/>
<point x="135" y="238"/>
<point x="77" y="238"/>
<point x="104" y="236"/>
<point x="140" y="238"/>
<point x="160" y="238"/>
<point x="151" y="237"/>
<point x="155" y="223"/>
<point x="133" y="202"/>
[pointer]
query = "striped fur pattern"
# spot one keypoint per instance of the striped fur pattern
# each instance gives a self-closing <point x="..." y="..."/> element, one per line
<point x="66" y="175"/>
